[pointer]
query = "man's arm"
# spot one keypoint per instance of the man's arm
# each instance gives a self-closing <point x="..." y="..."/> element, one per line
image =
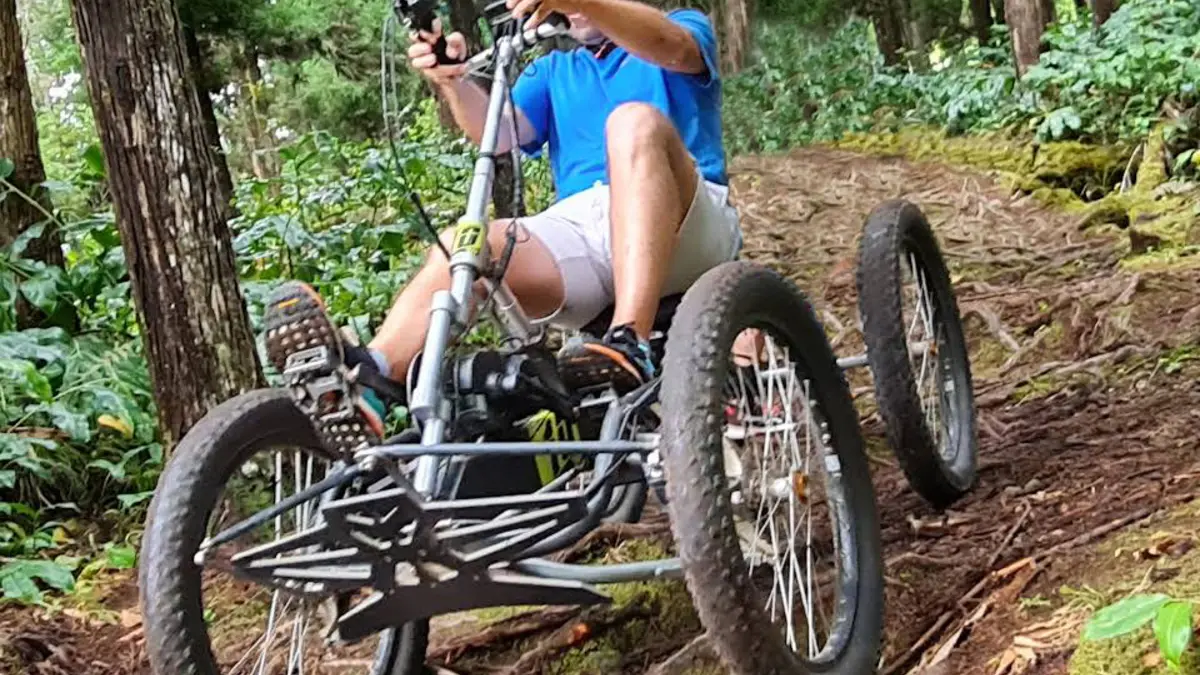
<point x="640" y="29"/>
<point x="468" y="102"/>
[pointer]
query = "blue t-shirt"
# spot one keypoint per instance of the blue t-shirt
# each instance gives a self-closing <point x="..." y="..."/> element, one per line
<point x="568" y="97"/>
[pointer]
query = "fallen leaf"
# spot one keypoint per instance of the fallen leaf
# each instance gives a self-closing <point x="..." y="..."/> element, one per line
<point x="1027" y="654"/>
<point x="130" y="618"/>
<point x="1026" y="641"/>
<point x="1007" y="659"/>
<point x="118" y="425"/>
<point x="948" y="646"/>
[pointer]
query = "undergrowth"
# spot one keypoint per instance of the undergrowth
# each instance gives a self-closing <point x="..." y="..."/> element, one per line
<point x="1100" y="87"/>
<point x="79" y="451"/>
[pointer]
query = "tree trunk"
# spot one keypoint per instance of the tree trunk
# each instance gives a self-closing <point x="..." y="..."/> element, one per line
<point x="981" y="19"/>
<point x="998" y="11"/>
<point x="946" y="19"/>
<point x="1024" y="19"/>
<point x="889" y="31"/>
<point x="737" y="22"/>
<point x="19" y="145"/>
<point x="464" y="18"/>
<point x="1101" y="10"/>
<point x="1049" y="14"/>
<point x="166" y="192"/>
<point x="263" y="160"/>
<point x="918" y="30"/>
<point x="503" y="195"/>
<point x="204" y="86"/>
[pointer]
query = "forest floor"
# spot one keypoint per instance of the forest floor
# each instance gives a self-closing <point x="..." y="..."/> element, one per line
<point x="1084" y="368"/>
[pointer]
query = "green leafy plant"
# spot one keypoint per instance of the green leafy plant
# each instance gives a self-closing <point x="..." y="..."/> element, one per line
<point x="20" y="579"/>
<point x="1171" y="619"/>
<point x="1106" y="86"/>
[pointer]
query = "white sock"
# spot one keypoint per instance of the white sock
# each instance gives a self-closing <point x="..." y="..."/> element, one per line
<point x="381" y="362"/>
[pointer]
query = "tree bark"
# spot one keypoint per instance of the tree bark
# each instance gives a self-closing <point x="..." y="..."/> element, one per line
<point x="263" y="160"/>
<point x="205" y="84"/>
<point x="981" y="20"/>
<point x="19" y="144"/>
<point x="918" y="32"/>
<point x="889" y="29"/>
<point x="1024" y="19"/>
<point x="167" y="196"/>
<point x="1101" y="10"/>
<point x="737" y="21"/>
<point x="1049" y="14"/>
<point x="464" y="17"/>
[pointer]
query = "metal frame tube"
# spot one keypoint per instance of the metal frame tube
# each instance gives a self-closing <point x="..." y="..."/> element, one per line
<point x="510" y="448"/>
<point x="859" y="360"/>
<point x="667" y="568"/>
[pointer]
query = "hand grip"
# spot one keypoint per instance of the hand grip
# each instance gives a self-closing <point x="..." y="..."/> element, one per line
<point x="424" y="22"/>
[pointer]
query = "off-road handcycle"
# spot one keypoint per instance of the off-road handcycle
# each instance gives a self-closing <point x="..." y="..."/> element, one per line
<point x="749" y="438"/>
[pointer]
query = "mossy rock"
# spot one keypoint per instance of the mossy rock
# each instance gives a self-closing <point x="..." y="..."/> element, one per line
<point x="990" y="152"/>
<point x="1056" y="173"/>
<point x="1060" y="161"/>
<point x="1116" y="571"/>
<point x="668" y="620"/>
<point x="1132" y="654"/>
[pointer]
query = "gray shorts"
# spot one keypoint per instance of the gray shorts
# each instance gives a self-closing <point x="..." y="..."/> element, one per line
<point x="576" y="232"/>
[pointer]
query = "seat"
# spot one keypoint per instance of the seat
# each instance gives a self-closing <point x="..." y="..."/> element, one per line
<point x="662" y="319"/>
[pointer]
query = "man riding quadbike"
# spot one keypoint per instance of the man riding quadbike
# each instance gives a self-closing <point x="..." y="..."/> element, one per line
<point x="704" y="379"/>
<point x="633" y="124"/>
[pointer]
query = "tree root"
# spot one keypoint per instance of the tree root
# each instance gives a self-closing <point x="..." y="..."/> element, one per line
<point x="590" y="622"/>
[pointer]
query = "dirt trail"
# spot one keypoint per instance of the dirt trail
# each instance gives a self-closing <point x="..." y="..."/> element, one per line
<point x="1083" y="379"/>
<point x="1086" y="406"/>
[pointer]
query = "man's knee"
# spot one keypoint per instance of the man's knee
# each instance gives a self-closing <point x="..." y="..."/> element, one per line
<point x="634" y="126"/>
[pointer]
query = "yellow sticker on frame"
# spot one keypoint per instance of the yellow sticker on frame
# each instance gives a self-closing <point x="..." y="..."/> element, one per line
<point x="468" y="236"/>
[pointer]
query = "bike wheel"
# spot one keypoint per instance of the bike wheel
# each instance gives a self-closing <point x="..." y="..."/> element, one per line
<point x="917" y="353"/>
<point x="216" y="471"/>
<point x="756" y="451"/>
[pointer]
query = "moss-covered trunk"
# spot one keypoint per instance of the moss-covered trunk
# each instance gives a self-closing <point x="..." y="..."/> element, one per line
<point x="168" y="200"/>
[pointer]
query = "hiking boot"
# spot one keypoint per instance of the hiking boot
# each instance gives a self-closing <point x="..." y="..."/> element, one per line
<point x="621" y="359"/>
<point x="331" y="374"/>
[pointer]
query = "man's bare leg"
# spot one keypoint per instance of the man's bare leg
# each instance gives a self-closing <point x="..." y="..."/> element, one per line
<point x="653" y="183"/>
<point x="532" y="275"/>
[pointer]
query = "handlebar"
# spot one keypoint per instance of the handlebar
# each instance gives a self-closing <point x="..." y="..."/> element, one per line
<point x="553" y="27"/>
<point x="422" y="13"/>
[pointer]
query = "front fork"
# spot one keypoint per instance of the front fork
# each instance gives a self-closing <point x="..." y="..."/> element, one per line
<point x="451" y="311"/>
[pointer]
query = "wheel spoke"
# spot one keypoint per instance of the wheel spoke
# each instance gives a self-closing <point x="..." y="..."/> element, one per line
<point x="779" y="473"/>
<point x="930" y="384"/>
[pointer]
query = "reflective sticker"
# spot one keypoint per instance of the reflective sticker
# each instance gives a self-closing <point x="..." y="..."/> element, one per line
<point x="833" y="465"/>
<point x="468" y="236"/>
